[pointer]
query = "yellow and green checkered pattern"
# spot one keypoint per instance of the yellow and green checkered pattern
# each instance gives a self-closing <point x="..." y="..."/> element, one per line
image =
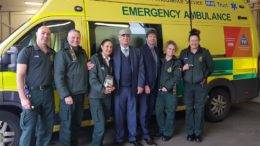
<point x="229" y="68"/>
<point x="235" y="68"/>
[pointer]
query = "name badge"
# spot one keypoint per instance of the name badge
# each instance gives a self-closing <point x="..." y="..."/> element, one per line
<point x="36" y="56"/>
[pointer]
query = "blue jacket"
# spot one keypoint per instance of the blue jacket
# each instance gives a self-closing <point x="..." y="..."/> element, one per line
<point x="137" y="67"/>
<point x="150" y="65"/>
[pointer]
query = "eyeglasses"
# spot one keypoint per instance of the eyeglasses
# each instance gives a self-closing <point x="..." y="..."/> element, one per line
<point x="125" y="35"/>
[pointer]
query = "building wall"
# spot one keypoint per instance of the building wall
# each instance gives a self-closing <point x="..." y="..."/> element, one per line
<point x="9" y="21"/>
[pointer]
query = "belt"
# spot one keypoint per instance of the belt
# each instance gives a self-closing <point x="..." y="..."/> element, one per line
<point x="42" y="87"/>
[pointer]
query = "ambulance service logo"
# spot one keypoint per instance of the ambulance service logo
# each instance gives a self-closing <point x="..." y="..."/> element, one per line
<point x="210" y="3"/>
<point x="169" y="70"/>
<point x="200" y="59"/>
<point x="234" y="6"/>
<point x="238" y="41"/>
<point x="244" y="40"/>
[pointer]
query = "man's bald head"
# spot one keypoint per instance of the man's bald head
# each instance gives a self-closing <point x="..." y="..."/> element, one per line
<point x="43" y="35"/>
<point x="43" y="28"/>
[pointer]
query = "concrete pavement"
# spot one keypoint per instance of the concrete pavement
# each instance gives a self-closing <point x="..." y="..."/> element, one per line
<point x="241" y="128"/>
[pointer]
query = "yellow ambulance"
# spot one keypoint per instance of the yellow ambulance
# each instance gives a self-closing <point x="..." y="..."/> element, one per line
<point x="227" y="26"/>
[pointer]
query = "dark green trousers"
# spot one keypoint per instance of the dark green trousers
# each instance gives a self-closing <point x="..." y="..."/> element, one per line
<point x="100" y="111"/>
<point x="166" y="104"/>
<point x="71" y="116"/>
<point x="194" y="99"/>
<point x="38" y="121"/>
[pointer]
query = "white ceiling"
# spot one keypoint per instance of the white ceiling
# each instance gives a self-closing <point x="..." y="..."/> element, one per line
<point x="18" y="5"/>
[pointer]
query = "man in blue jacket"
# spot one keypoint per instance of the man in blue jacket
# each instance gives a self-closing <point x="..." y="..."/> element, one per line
<point x="129" y="77"/>
<point x="152" y="55"/>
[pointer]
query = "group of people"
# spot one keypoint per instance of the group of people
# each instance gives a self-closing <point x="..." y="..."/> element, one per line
<point x="136" y="82"/>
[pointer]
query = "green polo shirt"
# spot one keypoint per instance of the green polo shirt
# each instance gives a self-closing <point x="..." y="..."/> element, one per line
<point x="39" y="65"/>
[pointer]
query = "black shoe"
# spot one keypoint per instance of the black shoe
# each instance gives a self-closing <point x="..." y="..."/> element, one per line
<point x="190" y="137"/>
<point x="166" y="138"/>
<point x="135" y="143"/>
<point x="158" y="135"/>
<point x="150" y="142"/>
<point x="198" y="138"/>
<point x="119" y="144"/>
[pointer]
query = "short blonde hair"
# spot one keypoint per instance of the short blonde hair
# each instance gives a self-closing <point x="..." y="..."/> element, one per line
<point x="171" y="42"/>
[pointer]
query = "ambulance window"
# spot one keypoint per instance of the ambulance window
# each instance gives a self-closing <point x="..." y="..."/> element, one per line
<point x="100" y="31"/>
<point x="59" y="30"/>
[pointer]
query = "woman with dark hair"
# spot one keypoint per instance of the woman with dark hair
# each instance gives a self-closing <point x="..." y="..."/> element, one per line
<point x="101" y="87"/>
<point x="197" y="66"/>
<point x="166" y="102"/>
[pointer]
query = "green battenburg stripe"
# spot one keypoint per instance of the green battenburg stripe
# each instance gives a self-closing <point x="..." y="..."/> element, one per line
<point x="244" y="76"/>
<point x="223" y="67"/>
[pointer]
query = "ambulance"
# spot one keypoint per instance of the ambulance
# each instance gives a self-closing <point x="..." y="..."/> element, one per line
<point x="227" y="29"/>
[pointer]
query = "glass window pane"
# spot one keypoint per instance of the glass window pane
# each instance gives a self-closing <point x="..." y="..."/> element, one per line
<point x="59" y="30"/>
<point x="100" y="31"/>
